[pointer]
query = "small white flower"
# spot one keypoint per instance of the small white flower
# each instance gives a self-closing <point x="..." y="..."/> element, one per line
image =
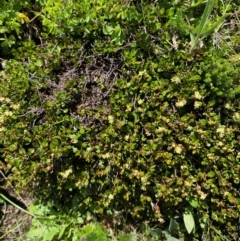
<point x="143" y="179"/>
<point x="7" y="100"/>
<point x="236" y="116"/>
<point x="202" y="195"/>
<point x="189" y="128"/>
<point x="15" y="106"/>
<point x="220" y="143"/>
<point x="197" y="104"/>
<point x="8" y="113"/>
<point x="106" y="155"/>
<point x="197" y="95"/>
<point x="66" y="173"/>
<point x="110" y="119"/>
<point x="1" y="119"/>
<point x="129" y="108"/>
<point x="89" y="148"/>
<point x="140" y="101"/>
<point x="221" y="130"/>
<point x="188" y="183"/>
<point x="142" y="73"/>
<point x="178" y="149"/>
<point x="176" y="80"/>
<point x="181" y="103"/>
<point x="225" y="193"/>
<point x="161" y="129"/>
<point x="228" y="106"/>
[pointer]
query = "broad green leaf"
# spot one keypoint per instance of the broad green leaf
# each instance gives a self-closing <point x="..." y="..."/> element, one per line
<point x="82" y="131"/>
<point x="39" y="63"/>
<point x="188" y="220"/>
<point x="128" y="237"/>
<point x="52" y="231"/>
<point x="108" y="30"/>
<point x="74" y="138"/>
<point x="156" y="232"/>
<point x="173" y="226"/>
<point x="194" y="203"/>
<point x="116" y="33"/>
<point x="54" y="144"/>
<point x="170" y="238"/>
<point x="211" y="174"/>
<point x="63" y="228"/>
<point x="48" y="103"/>
<point x="22" y="151"/>
<point x="36" y="232"/>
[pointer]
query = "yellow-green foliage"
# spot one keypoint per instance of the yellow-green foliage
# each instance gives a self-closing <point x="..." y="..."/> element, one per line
<point x="156" y="132"/>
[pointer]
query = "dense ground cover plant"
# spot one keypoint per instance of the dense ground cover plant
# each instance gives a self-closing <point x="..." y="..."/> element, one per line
<point x="112" y="101"/>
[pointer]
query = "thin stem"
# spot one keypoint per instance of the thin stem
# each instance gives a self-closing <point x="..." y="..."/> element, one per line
<point x="15" y="205"/>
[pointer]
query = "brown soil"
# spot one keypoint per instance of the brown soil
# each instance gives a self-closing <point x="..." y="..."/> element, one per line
<point x="14" y="222"/>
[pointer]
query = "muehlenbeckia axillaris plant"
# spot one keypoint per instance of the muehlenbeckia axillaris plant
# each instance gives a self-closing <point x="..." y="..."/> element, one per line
<point x="205" y="28"/>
